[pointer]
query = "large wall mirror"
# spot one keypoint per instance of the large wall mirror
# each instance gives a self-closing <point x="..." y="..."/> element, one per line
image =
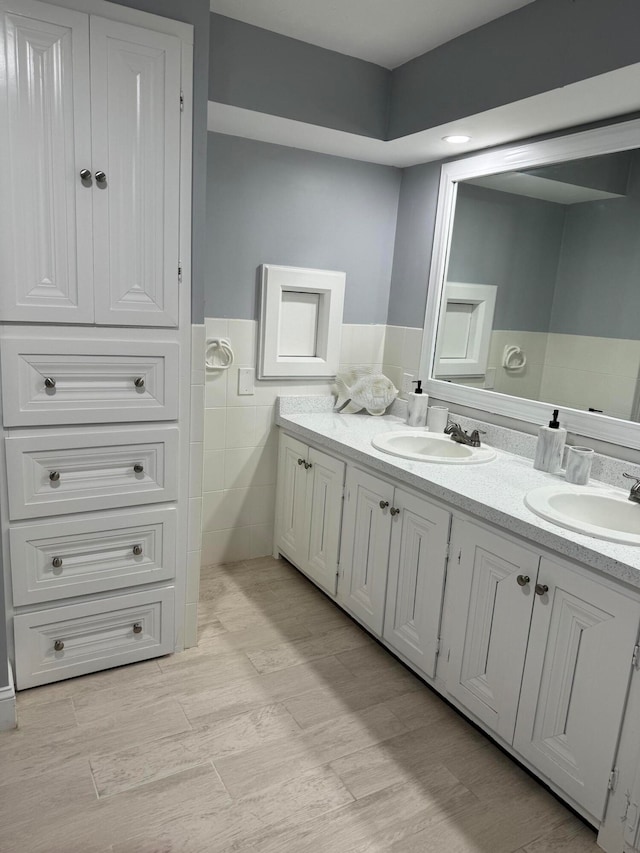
<point x="534" y="293"/>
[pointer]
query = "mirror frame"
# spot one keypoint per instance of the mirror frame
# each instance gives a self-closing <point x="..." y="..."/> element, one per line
<point x="590" y="143"/>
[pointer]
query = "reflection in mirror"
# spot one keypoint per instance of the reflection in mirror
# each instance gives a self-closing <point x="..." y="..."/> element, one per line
<point x="561" y="246"/>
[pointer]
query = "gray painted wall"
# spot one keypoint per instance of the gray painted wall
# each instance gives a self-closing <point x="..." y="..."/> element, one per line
<point x="270" y="73"/>
<point x="597" y="290"/>
<point x="195" y="12"/>
<point x="537" y="48"/>
<point x="271" y="204"/>
<point x="413" y="245"/>
<point x="513" y="242"/>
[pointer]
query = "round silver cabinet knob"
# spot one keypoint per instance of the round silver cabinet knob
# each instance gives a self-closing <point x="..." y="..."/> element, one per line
<point x="56" y="562"/>
<point x="49" y="382"/>
<point x="58" y="645"/>
<point x="137" y="628"/>
<point x="138" y="469"/>
<point x="137" y="550"/>
<point x="139" y="382"/>
<point x="54" y="476"/>
<point x="541" y="589"/>
<point x="101" y="177"/>
<point x="523" y="580"/>
<point x="85" y="174"/>
<point x="394" y="510"/>
<point x="384" y="504"/>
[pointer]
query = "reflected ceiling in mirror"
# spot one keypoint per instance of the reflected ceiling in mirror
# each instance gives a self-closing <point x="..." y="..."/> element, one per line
<point x="554" y="229"/>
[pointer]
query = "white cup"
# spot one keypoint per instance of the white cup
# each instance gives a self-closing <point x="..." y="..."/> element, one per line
<point x="579" y="461"/>
<point x="437" y="418"/>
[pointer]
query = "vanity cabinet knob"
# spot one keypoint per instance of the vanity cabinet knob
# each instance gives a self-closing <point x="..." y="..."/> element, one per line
<point x="49" y="382"/>
<point x="137" y="550"/>
<point x="384" y="504"/>
<point x="301" y="462"/>
<point x="139" y="382"/>
<point x="56" y="562"/>
<point x="138" y="469"/>
<point x="308" y="465"/>
<point x="394" y="510"/>
<point x="58" y="645"/>
<point x="541" y="589"/>
<point x="523" y="580"/>
<point x="101" y="177"/>
<point x="85" y="174"/>
<point x="137" y="628"/>
<point x="54" y="476"/>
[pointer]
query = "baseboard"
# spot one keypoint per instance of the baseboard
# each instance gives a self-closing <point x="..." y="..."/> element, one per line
<point x="8" y="718"/>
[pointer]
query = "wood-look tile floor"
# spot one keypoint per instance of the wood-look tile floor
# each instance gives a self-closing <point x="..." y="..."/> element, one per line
<point x="288" y="730"/>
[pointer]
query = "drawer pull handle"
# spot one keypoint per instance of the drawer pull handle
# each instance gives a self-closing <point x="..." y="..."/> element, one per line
<point x="137" y="550"/>
<point x="301" y="462"/>
<point x="394" y="510"/>
<point x="384" y="504"/>
<point x="139" y="382"/>
<point x="137" y="628"/>
<point x="138" y="469"/>
<point x="49" y="382"/>
<point x="54" y="476"/>
<point x="523" y="580"/>
<point x="56" y="562"/>
<point x="58" y="645"/>
<point x="541" y="589"/>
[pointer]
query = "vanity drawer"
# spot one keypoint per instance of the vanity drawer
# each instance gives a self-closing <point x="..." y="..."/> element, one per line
<point x="85" y="555"/>
<point x="80" y="638"/>
<point x="59" y="472"/>
<point x="75" y="381"/>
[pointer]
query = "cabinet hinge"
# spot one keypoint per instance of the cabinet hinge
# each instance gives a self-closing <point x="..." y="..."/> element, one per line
<point x="344" y="490"/>
<point x="179" y="271"/>
<point x="635" y="658"/>
<point x="181" y="102"/>
<point x="437" y="646"/>
<point x="459" y="555"/>
<point x="447" y="552"/>
<point x="613" y="779"/>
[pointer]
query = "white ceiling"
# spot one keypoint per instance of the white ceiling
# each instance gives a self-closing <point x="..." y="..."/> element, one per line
<point x="387" y="32"/>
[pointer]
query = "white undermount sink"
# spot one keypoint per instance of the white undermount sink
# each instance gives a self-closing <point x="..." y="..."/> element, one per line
<point x="605" y="514"/>
<point x="426" y="446"/>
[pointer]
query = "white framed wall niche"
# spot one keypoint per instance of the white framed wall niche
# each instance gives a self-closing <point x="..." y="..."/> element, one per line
<point x="300" y="323"/>
<point x="465" y="325"/>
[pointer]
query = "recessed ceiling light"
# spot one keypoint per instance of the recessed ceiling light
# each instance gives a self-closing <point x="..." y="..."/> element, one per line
<point x="456" y="139"/>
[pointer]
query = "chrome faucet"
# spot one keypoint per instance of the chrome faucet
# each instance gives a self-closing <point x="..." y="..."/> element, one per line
<point x="456" y="433"/>
<point x="634" y="494"/>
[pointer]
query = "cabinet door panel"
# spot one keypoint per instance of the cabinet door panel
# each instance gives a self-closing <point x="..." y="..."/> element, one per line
<point x="135" y="95"/>
<point x="575" y="682"/>
<point x="46" y="262"/>
<point x="365" y="548"/>
<point x="415" y="586"/>
<point x="291" y="501"/>
<point x="324" y="515"/>
<point x="491" y="624"/>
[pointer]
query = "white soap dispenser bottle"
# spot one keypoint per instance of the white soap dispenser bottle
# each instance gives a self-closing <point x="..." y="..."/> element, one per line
<point x="417" y="406"/>
<point x="551" y="441"/>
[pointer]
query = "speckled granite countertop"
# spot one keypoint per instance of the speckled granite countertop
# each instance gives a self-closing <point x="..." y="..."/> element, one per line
<point x="493" y="491"/>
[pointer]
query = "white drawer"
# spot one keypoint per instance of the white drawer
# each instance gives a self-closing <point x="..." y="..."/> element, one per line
<point x="89" y="554"/>
<point x="58" y="472"/>
<point x="75" y="381"/>
<point x="80" y="638"/>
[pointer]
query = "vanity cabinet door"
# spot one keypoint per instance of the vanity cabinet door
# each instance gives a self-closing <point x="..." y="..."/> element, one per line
<point x="417" y="565"/>
<point x="492" y="581"/>
<point x="575" y="682"/>
<point x="365" y="547"/>
<point x="292" y="532"/>
<point x="324" y="515"/>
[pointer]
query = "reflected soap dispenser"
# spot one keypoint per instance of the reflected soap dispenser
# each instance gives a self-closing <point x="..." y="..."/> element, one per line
<point x="417" y="406"/>
<point x="551" y="441"/>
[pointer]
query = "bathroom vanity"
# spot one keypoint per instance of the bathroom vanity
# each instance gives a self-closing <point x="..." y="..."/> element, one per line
<point x="530" y="630"/>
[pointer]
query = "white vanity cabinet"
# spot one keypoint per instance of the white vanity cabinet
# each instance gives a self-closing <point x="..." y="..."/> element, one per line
<point x="309" y="510"/>
<point x="542" y="655"/>
<point x="90" y="113"/>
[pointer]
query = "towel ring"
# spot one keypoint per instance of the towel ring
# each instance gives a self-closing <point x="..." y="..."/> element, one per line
<point x="513" y="358"/>
<point x="218" y="354"/>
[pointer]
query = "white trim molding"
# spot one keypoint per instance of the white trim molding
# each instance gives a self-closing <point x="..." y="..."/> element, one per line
<point x="8" y="719"/>
<point x="605" y="140"/>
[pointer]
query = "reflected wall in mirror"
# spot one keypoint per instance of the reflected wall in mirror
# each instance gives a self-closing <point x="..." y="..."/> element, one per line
<point x="561" y="245"/>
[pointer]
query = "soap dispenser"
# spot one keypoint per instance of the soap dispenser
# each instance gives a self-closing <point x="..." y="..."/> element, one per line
<point x="551" y="440"/>
<point x="417" y="405"/>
